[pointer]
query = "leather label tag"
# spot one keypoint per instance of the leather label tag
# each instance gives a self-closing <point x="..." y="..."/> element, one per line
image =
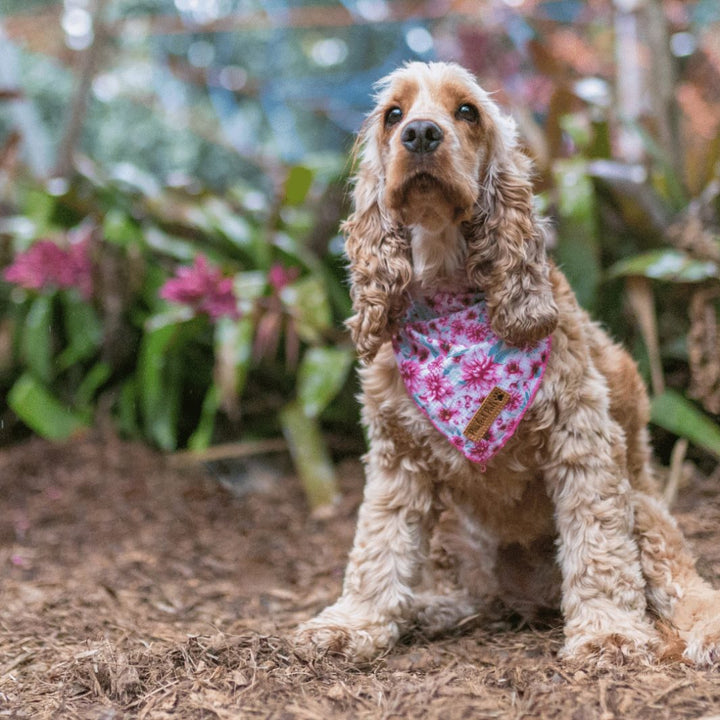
<point x="486" y="414"/>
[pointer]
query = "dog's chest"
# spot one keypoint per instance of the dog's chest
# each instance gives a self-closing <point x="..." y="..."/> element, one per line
<point x="507" y="496"/>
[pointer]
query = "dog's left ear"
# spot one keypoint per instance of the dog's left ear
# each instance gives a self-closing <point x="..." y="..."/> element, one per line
<point x="506" y="244"/>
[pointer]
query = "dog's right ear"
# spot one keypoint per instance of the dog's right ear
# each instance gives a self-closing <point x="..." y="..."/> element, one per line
<point x="378" y="250"/>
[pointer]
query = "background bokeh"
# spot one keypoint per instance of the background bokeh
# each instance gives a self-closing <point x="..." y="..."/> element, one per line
<point x="173" y="174"/>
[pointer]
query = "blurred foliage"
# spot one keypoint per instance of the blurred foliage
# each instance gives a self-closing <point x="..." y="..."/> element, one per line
<point x="218" y="131"/>
<point x="167" y="370"/>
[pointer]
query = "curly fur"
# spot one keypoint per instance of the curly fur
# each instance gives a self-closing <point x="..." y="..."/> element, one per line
<point x="566" y="513"/>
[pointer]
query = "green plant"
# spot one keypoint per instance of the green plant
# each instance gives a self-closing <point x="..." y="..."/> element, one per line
<point x="638" y="228"/>
<point x="185" y="309"/>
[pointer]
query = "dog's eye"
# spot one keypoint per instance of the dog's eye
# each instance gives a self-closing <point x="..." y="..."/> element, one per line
<point x="467" y="112"/>
<point x="393" y="116"/>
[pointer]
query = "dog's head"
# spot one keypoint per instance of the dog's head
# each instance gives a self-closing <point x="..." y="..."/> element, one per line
<point x="441" y="175"/>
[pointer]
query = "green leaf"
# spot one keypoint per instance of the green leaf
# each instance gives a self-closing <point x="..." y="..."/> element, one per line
<point x="134" y="180"/>
<point x="202" y="437"/>
<point x="249" y="286"/>
<point x="174" y="316"/>
<point x="321" y="375"/>
<point x="675" y="413"/>
<point x="225" y="219"/>
<point x="42" y="412"/>
<point x="578" y="247"/>
<point x="233" y="353"/>
<point x="83" y="331"/>
<point x="36" y="344"/>
<point x="120" y="229"/>
<point x="298" y="251"/>
<point x="308" y="300"/>
<point x="670" y="184"/>
<point x="297" y="184"/>
<point x="97" y="376"/>
<point x="668" y="264"/>
<point x="38" y="207"/>
<point x="159" y="384"/>
<point x="127" y="409"/>
<point x="166" y="244"/>
<point x="310" y="455"/>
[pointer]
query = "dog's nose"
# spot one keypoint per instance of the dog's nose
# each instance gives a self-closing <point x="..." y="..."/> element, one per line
<point x="421" y="136"/>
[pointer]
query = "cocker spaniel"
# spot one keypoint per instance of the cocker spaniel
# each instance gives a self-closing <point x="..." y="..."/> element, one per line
<point x="508" y="452"/>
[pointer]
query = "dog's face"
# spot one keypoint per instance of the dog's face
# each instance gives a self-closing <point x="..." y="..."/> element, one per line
<point x="443" y="197"/>
<point x="431" y="137"/>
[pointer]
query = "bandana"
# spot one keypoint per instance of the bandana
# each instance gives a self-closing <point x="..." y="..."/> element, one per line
<point x="472" y="386"/>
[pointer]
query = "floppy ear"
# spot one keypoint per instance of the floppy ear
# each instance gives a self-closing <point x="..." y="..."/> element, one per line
<point x="379" y="254"/>
<point x="506" y="245"/>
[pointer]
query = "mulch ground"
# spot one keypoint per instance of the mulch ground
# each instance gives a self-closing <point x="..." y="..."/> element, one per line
<point x="130" y="588"/>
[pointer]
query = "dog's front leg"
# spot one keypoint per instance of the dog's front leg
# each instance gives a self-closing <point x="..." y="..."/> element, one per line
<point x="384" y="566"/>
<point x="603" y="591"/>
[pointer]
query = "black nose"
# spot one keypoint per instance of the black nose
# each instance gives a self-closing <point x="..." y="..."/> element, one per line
<point x="421" y="136"/>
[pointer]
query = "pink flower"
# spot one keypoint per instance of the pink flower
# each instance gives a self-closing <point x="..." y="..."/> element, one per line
<point x="410" y="372"/>
<point x="476" y="332"/>
<point x="479" y="372"/>
<point x="46" y="265"/>
<point x="447" y="414"/>
<point x="438" y="387"/>
<point x="279" y="276"/>
<point x="204" y="289"/>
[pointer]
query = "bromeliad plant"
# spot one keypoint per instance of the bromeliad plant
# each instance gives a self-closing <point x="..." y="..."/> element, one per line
<point x="169" y="309"/>
<point x="649" y="240"/>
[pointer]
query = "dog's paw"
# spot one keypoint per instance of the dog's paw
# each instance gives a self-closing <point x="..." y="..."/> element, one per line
<point x="611" y="650"/>
<point x="703" y="642"/>
<point x="434" y="614"/>
<point x="350" y="637"/>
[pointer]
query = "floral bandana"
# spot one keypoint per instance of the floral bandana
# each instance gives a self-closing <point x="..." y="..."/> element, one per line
<point x="472" y="386"/>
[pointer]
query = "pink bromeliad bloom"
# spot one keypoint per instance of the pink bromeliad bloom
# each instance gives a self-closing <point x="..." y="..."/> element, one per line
<point x="45" y="266"/>
<point x="203" y="288"/>
<point x="279" y="276"/>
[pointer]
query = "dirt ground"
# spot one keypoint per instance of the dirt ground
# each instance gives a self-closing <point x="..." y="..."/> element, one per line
<point x="130" y="588"/>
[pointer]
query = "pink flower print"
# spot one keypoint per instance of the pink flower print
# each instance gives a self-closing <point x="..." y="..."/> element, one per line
<point x="446" y="414"/>
<point x="476" y="332"/>
<point x="514" y="403"/>
<point x="513" y="367"/>
<point x="45" y="265"/>
<point x="410" y="372"/>
<point x="457" y="326"/>
<point x="479" y="372"/>
<point x="204" y="289"/>
<point x="437" y="386"/>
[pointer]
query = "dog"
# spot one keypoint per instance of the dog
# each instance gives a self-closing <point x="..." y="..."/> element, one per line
<point x="508" y="452"/>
